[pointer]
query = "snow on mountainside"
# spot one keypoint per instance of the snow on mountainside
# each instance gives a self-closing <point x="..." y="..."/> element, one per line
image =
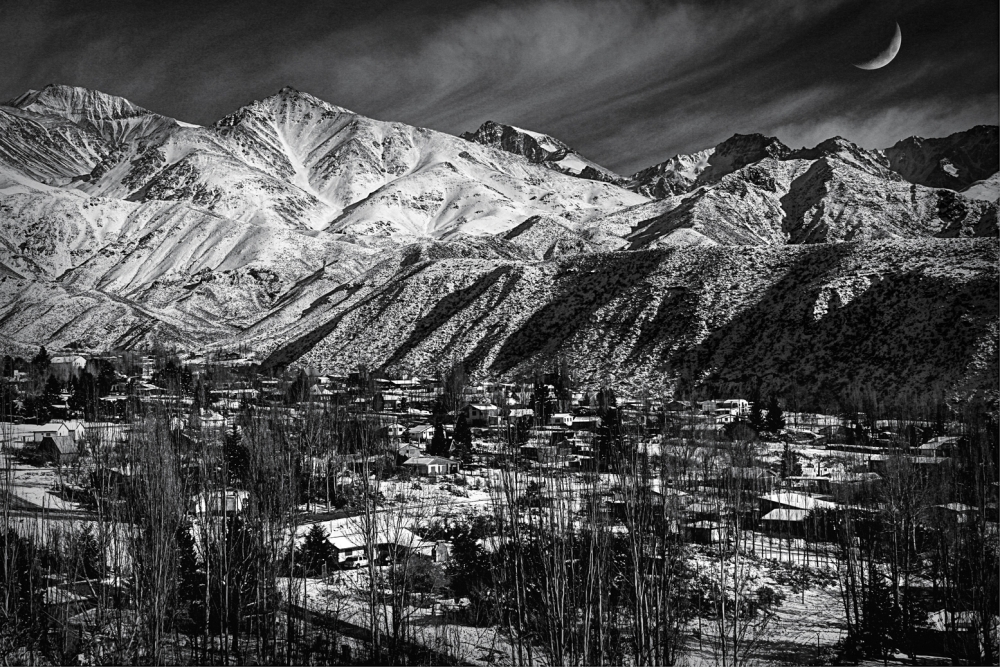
<point x="902" y="313"/>
<point x="836" y="191"/>
<point x="323" y="237"/>
<point x="295" y="160"/>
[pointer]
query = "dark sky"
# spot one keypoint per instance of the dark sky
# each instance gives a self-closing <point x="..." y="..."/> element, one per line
<point x="627" y="83"/>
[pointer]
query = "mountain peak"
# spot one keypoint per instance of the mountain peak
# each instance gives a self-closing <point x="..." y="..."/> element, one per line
<point x="77" y="103"/>
<point x="541" y="149"/>
<point x="287" y="101"/>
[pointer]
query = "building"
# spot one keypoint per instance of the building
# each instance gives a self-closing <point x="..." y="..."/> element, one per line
<point x="431" y="466"/>
<point x="561" y="419"/>
<point x="792" y="500"/>
<point x="420" y="433"/>
<point x="406" y="452"/>
<point x="58" y="449"/>
<point x="783" y="521"/>
<point x="352" y="541"/>
<point x="64" y="367"/>
<point x="229" y="502"/>
<point x="482" y="414"/>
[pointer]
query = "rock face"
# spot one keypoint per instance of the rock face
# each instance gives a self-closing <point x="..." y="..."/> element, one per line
<point x="956" y="161"/>
<point x="315" y="235"/>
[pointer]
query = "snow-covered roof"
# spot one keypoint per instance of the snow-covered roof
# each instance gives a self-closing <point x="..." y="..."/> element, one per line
<point x="427" y="460"/>
<point x="798" y="500"/>
<point x="783" y="514"/>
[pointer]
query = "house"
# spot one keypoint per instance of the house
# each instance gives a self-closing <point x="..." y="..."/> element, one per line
<point x="394" y="430"/>
<point x="406" y="452"/>
<point x="482" y="414"/>
<point x="17" y="436"/>
<point x="218" y="502"/>
<point x="41" y="431"/>
<point x="59" y="449"/>
<point x="939" y="446"/>
<point x="420" y="433"/>
<point x="785" y="521"/>
<point x="430" y="466"/>
<point x="352" y="541"/>
<point x="707" y="532"/>
<point x="677" y="406"/>
<point x="587" y="423"/>
<point x="206" y="420"/>
<point x="64" y="367"/>
<point x="319" y="392"/>
<point x="736" y="406"/>
<point x="561" y="419"/>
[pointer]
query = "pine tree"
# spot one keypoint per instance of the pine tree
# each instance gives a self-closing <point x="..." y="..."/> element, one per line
<point x="774" y="420"/>
<point x="790" y="466"/>
<point x="316" y="551"/>
<point x="439" y="443"/>
<point x="756" y="417"/>
<point x="41" y="361"/>
<point x="463" y="437"/>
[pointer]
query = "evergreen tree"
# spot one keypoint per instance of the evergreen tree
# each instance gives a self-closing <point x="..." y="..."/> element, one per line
<point x="8" y="366"/>
<point x="880" y="619"/>
<point x="463" y="438"/>
<point x="790" y="466"/>
<point x="756" y="417"/>
<point x="316" y="551"/>
<point x="542" y="402"/>
<point x="469" y="569"/>
<point x="774" y="420"/>
<point x="40" y="362"/>
<point x="439" y="443"/>
<point x="52" y="391"/>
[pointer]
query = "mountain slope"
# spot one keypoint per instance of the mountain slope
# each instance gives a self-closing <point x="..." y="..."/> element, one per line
<point x="901" y="313"/>
<point x="956" y="161"/>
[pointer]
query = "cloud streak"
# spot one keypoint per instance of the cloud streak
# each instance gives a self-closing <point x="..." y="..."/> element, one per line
<point x="627" y="83"/>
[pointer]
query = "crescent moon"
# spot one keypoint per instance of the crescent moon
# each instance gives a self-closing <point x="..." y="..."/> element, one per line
<point x="884" y="58"/>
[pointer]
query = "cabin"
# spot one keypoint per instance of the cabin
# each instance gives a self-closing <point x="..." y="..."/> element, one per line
<point x="58" y="449"/>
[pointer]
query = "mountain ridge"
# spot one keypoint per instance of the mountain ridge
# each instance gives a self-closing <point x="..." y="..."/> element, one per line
<point x="292" y="219"/>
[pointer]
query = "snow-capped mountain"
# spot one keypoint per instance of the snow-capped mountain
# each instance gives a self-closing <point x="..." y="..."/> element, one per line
<point x="319" y="236"/>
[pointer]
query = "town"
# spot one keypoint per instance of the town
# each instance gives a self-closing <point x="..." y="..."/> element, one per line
<point x="228" y="514"/>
